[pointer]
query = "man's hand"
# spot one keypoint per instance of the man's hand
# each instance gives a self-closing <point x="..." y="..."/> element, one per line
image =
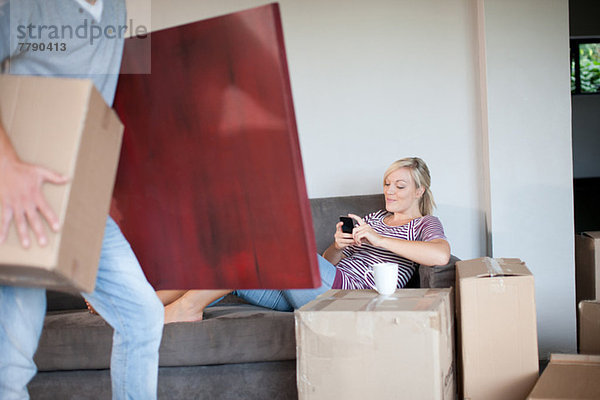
<point x="21" y="198"/>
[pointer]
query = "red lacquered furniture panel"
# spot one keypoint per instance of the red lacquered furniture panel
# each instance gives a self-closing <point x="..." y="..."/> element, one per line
<point x="210" y="190"/>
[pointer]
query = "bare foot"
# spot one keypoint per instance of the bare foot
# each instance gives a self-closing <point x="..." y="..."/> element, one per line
<point x="183" y="310"/>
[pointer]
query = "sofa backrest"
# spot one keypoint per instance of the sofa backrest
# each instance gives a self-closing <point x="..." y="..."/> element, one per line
<point x="326" y="212"/>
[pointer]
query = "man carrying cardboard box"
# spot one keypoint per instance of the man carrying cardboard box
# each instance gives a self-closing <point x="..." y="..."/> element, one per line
<point x="122" y="295"/>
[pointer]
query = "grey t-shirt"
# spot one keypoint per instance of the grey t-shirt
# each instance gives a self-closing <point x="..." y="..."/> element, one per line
<point x="60" y="38"/>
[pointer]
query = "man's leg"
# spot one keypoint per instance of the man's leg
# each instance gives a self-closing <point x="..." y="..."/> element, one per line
<point x="125" y="299"/>
<point x="22" y="313"/>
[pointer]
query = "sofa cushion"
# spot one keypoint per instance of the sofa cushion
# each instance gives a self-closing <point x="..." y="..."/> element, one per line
<point x="274" y="380"/>
<point x="234" y="333"/>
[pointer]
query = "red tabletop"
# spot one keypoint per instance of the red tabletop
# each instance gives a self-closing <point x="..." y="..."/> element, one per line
<point x="210" y="189"/>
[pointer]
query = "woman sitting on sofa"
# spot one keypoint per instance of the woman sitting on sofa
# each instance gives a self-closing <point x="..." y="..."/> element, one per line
<point x="404" y="233"/>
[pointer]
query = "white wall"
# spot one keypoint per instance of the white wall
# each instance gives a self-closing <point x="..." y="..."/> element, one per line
<point x="385" y="79"/>
<point x="530" y="164"/>
<point x="380" y="81"/>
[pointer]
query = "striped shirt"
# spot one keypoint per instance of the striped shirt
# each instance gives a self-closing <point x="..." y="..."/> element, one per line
<point x="351" y="269"/>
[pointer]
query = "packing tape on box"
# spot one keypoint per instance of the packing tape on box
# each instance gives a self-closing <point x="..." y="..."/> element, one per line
<point x="495" y="271"/>
<point x="493" y="266"/>
<point x="372" y="305"/>
<point x="425" y="300"/>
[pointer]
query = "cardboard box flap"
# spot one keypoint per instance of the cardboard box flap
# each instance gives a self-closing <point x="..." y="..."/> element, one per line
<point x="569" y="376"/>
<point x="486" y="267"/>
<point x="574" y="359"/>
<point x="588" y="304"/>
<point x="592" y="234"/>
<point x="363" y="300"/>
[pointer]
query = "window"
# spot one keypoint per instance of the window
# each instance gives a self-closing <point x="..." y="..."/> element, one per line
<point x="585" y="66"/>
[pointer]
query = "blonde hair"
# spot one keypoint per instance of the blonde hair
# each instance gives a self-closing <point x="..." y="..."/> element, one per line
<point x="420" y="174"/>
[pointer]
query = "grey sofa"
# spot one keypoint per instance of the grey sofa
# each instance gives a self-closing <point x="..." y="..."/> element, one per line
<point x="238" y="351"/>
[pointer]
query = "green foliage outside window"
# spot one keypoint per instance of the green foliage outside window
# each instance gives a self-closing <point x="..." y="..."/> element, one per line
<point x="589" y="61"/>
<point x="589" y="67"/>
<point x="573" y="79"/>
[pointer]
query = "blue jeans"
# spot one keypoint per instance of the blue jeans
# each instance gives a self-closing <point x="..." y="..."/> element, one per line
<point x="125" y="300"/>
<point x="291" y="299"/>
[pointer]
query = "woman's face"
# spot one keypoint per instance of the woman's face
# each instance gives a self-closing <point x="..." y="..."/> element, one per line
<point x="401" y="193"/>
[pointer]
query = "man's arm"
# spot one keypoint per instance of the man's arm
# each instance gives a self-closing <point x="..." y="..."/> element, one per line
<point x="21" y="196"/>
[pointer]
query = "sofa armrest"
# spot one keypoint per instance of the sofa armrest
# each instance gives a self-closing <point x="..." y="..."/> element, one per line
<point x="438" y="276"/>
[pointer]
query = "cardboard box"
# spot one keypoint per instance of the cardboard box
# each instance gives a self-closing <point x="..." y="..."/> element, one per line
<point x="357" y="345"/>
<point x="64" y="125"/>
<point x="587" y="266"/>
<point x="498" y="356"/>
<point x="569" y="376"/>
<point x="589" y="327"/>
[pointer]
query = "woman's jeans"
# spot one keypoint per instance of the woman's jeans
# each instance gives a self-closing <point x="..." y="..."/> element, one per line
<point x="123" y="297"/>
<point x="288" y="300"/>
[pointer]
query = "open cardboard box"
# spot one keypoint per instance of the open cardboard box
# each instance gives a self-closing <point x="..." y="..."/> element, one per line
<point x="498" y="349"/>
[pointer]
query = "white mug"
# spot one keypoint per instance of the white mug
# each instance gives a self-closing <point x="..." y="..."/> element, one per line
<point x="385" y="277"/>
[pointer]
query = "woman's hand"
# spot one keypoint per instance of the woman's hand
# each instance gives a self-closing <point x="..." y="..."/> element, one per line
<point x="334" y="253"/>
<point x="364" y="233"/>
<point x="341" y="239"/>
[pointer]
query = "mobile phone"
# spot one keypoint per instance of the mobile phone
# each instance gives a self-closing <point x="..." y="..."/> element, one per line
<point x="349" y="224"/>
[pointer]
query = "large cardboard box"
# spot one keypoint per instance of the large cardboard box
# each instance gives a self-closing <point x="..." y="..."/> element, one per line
<point x="64" y="125"/>
<point x="569" y="376"/>
<point x="358" y="345"/>
<point x="587" y="266"/>
<point x="589" y="327"/>
<point x="498" y="354"/>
